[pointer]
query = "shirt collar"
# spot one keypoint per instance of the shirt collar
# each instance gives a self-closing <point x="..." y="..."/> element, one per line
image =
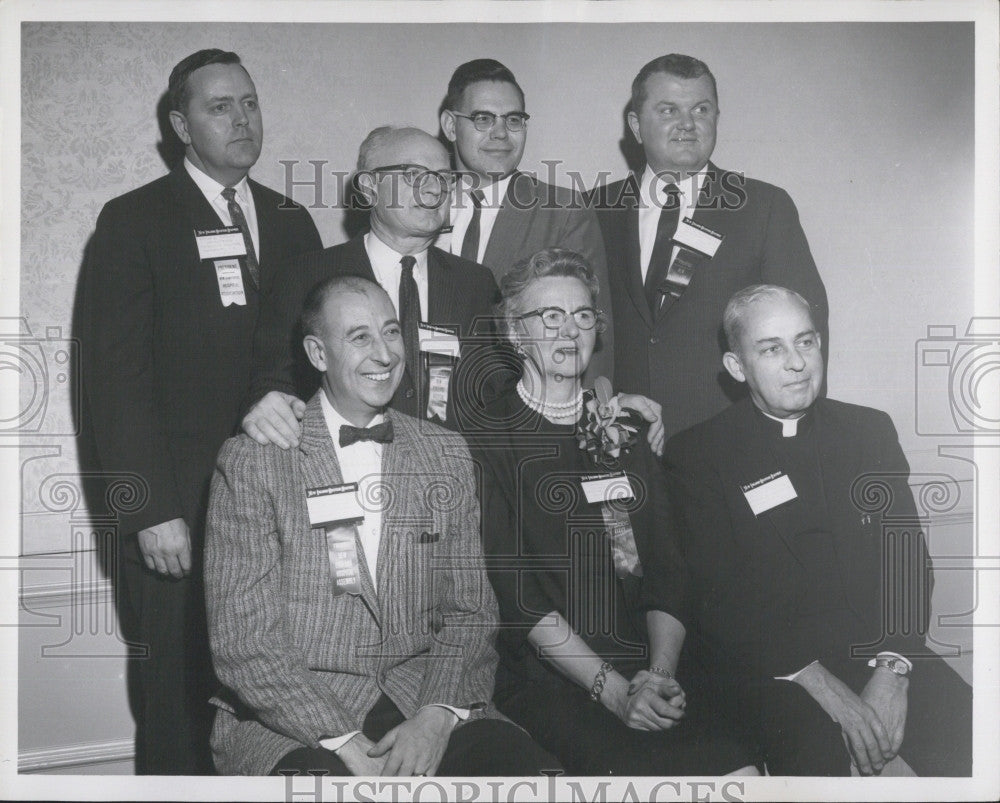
<point x="790" y="427"/>
<point x="211" y="188"/>
<point x="384" y="258"/>
<point x="653" y="187"/>
<point x="334" y="420"/>
<point x="494" y="194"/>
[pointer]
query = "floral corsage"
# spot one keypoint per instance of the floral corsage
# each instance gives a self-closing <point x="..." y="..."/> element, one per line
<point x="606" y="430"/>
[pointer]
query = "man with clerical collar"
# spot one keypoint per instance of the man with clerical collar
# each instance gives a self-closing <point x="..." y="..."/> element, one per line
<point x="169" y="294"/>
<point x="500" y="215"/>
<point x="350" y="616"/>
<point x="809" y="567"/>
<point x="442" y="300"/>
<point x="681" y="237"/>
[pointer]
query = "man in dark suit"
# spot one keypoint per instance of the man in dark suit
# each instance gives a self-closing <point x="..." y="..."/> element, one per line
<point x="403" y="173"/>
<point x="501" y="215"/>
<point x="670" y="279"/>
<point x="350" y="615"/>
<point x="169" y="302"/>
<point x="810" y="572"/>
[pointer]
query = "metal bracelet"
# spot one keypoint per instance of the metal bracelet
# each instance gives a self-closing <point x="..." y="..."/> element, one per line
<point x="659" y="670"/>
<point x="599" y="678"/>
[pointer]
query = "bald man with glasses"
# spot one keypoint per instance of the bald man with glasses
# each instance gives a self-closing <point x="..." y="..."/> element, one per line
<point x="404" y="175"/>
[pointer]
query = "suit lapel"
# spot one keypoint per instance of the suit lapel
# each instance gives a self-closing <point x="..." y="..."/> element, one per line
<point x="268" y="233"/>
<point x="629" y="237"/>
<point x="510" y="223"/>
<point x="201" y="214"/>
<point x="442" y="290"/>
<point x="320" y="467"/>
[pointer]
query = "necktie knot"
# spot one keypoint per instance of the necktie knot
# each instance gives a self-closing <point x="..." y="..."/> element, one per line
<point x="673" y="196"/>
<point x="478" y="196"/>
<point x="380" y="433"/>
<point x="229" y="193"/>
<point x="408" y="262"/>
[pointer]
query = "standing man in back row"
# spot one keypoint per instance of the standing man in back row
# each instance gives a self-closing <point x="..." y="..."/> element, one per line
<point x="682" y="237"/>
<point x="506" y="215"/>
<point x="169" y="297"/>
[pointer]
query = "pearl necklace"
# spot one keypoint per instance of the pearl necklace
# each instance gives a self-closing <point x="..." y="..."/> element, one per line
<point x="564" y="410"/>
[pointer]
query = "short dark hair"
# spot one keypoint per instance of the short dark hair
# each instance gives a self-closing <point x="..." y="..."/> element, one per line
<point x="311" y="319"/>
<point x="472" y="72"/>
<point x="675" y="64"/>
<point x="177" y="86"/>
<point x="741" y="301"/>
<point x="542" y="264"/>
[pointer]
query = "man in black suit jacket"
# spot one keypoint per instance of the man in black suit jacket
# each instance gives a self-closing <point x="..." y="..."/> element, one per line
<point x="169" y="303"/>
<point x="404" y="174"/>
<point x="670" y="280"/>
<point x="518" y="215"/>
<point x="811" y="577"/>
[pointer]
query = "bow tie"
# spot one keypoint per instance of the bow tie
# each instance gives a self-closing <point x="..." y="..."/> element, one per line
<point x="380" y="433"/>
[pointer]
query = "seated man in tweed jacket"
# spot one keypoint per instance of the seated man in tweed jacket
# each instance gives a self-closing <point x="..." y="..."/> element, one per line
<point x="349" y="613"/>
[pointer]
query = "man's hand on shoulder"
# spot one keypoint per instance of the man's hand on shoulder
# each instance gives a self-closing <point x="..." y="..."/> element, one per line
<point x="355" y="755"/>
<point x="417" y="746"/>
<point x="275" y="419"/>
<point x="166" y="547"/>
<point x="652" y="412"/>
<point x="863" y="731"/>
<point x="886" y="693"/>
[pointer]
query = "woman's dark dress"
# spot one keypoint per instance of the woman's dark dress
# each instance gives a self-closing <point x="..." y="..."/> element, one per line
<point x="546" y="551"/>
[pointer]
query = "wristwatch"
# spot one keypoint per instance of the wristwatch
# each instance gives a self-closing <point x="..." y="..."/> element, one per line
<point x="894" y="664"/>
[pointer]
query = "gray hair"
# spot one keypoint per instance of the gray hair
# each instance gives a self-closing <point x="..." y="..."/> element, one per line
<point x="740" y="302"/>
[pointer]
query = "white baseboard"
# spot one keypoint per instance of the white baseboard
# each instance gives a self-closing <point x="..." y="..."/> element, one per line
<point x="77" y="755"/>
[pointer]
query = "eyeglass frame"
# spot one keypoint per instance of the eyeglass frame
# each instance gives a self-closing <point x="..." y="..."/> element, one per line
<point x="449" y="177"/>
<point x="504" y="117"/>
<point x="540" y="312"/>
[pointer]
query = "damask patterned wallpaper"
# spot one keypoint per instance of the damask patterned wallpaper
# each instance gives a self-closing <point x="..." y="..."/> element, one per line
<point x="843" y="127"/>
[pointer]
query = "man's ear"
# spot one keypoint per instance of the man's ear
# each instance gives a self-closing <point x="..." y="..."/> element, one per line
<point x="448" y="125"/>
<point x="367" y="185"/>
<point x="315" y="351"/>
<point x="633" y="123"/>
<point x="180" y="126"/>
<point x="734" y="366"/>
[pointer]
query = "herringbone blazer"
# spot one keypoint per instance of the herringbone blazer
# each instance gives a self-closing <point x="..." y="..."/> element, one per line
<point x="300" y="664"/>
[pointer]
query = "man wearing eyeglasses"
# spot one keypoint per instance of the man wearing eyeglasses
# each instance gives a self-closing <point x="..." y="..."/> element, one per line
<point x="502" y="215"/>
<point x="404" y="175"/>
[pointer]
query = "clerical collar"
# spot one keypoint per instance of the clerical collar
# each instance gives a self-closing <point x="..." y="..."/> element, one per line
<point x="790" y="427"/>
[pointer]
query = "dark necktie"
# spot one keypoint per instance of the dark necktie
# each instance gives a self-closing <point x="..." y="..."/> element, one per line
<point x="409" y="315"/>
<point x="239" y="219"/>
<point x="663" y="247"/>
<point x="470" y="245"/>
<point x="380" y="433"/>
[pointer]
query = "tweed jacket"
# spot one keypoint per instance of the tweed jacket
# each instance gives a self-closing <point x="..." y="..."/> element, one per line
<point x="300" y="664"/>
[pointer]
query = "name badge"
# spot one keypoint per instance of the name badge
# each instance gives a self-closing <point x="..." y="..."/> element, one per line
<point x="215" y="243"/>
<point x="333" y="504"/>
<point x="438" y="340"/>
<point x="438" y="379"/>
<point x="230" y="277"/>
<point x="697" y="237"/>
<point x="606" y="487"/>
<point x="769" y="492"/>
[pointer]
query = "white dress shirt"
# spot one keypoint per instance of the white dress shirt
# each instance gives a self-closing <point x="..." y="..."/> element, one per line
<point x="212" y="190"/>
<point x="652" y="196"/>
<point x="388" y="271"/>
<point x="361" y="462"/>
<point x="461" y="216"/>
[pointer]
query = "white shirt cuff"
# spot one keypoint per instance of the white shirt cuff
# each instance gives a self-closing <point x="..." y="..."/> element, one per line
<point x="796" y="674"/>
<point x="334" y="743"/>
<point x="461" y="713"/>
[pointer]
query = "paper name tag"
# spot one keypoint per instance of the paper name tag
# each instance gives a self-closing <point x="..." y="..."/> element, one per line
<point x="216" y="243"/>
<point x="438" y="340"/>
<point x="342" y="553"/>
<point x="606" y="487"/>
<point x="230" y="277"/>
<point x="695" y="236"/>
<point x="769" y="492"/>
<point x="334" y="503"/>
<point x="438" y="379"/>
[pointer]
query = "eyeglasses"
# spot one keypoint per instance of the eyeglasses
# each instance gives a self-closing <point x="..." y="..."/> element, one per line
<point x="418" y="176"/>
<point x="555" y="317"/>
<point x="484" y="121"/>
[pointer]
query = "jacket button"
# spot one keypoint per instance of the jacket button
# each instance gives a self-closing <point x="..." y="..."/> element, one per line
<point x="654" y="340"/>
<point x="409" y="393"/>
